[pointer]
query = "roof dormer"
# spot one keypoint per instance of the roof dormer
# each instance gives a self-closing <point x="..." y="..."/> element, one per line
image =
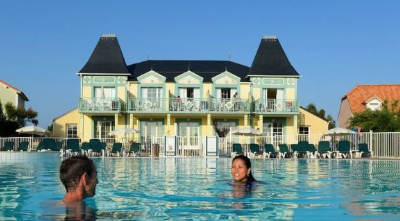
<point x="373" y="104"/>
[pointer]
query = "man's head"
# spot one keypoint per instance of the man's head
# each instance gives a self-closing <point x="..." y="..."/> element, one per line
<point x="79" y="172"/>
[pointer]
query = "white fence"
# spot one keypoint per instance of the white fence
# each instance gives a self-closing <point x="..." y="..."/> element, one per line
<point x="383" y="144"/>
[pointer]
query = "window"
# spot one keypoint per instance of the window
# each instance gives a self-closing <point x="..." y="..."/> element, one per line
<point x="304" y="132"/>
<point x="227" y="124"/>
<point x="226" y="92"/>
<point x="72" y="131"/>
<point x="151" y="92"/>
<point x="103" y="129"/>
<point x="189" y="92"/>
<point x="189" y="132"/>
<point x="374" y="106"/>
<point x="149" y="129"/>
<point x="104" y="92"/>
<point x="272" y="98"/>
<point x="274" y="130"/>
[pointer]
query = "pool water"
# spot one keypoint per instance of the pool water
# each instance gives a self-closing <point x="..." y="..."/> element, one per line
<point x="199" y="189"/>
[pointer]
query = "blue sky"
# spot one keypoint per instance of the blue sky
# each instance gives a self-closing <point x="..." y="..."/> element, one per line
<point x="334" y="45"/>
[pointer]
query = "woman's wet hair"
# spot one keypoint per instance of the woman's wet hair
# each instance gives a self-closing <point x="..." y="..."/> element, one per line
<point x="247" y="162"/>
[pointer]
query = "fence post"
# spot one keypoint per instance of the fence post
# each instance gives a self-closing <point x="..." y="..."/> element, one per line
<point x="370" y="141"/>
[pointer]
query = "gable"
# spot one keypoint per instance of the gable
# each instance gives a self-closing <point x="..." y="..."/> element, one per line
<point x="226" y="78"/>
<point x="188" y="78"/>
<point x="151" y="77"/>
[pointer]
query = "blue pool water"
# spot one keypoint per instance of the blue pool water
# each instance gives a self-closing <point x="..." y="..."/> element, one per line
<point x="198" y="189"/>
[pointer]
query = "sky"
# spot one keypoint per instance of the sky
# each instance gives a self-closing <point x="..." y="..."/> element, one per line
<point x="333" y="45"/>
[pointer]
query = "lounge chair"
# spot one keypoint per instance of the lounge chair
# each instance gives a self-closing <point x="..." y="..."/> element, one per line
<point x="295" y="150"/>
<point x="97" y="147"/>
<point x="8" y="146"/>
<point x="58" y="146"/>
<point x="302" y="148"/>
<point x="284" y="151"/>
<point x="311" y="151"/>
<point x="116" y="148"/>
<point x="134" y="149"/>
<point x="255" y="150"/>
<point x="270" y="151"/>
<point x="41" y="146"/>
<point x="236" y="149"/>
<point x="344" y="149"/>
<point x="364" y="150"/>
<point x="23" y="146"/>
<point x="47" y="144"/>
<point x="324" y="149"/>
<point x="72" y="147"/>
<point x="85" y="148"/>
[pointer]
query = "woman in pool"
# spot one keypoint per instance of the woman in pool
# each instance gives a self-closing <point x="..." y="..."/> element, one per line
<point x="241" y="170"/>
<point x="243" y="179"/>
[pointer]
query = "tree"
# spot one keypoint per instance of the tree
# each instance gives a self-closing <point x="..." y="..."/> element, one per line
<point x="221" y="132"/>
<point x="385" y="120"/>
<point x="50" y="128"/>
<point x="20" y="115"/>
<point x="14" y="118"/>
<point x="2" y="120"/>
<point x="312" y="109"/>
<point x="7" y="127"/>
<point x="332" y="122"/>
<point x="321" y="113"/>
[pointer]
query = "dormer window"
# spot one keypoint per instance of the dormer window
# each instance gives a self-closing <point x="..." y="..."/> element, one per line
<point x="374" y="104"/>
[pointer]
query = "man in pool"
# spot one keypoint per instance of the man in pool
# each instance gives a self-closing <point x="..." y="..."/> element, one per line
<point x="79" y="177"/>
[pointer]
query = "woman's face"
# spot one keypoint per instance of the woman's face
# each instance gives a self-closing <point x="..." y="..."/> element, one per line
<point x="239" y="170"/>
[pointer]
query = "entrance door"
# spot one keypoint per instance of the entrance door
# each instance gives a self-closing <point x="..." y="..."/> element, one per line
<point x="274" y="131"/>
<point x="273" y="99"/>
<point x="149" y="129"/>
<point x="189" y="133"/>
<point x="102" y="129"/>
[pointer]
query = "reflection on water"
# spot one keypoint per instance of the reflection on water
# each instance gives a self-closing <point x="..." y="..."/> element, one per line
<point x="199" y="188"/>
<point x="55" y="209"/>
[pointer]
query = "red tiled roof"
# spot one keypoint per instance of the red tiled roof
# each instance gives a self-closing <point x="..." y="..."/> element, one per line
<point x="361" y="94"/>
<point x="16" y="89"/>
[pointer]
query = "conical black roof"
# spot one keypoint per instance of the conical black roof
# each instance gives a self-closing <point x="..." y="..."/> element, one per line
<point x="106" y="58"/>
<point x="271" y="59"/>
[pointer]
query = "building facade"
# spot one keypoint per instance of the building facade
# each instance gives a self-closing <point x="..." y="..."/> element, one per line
<point x="11" y="94"/>
<point x="364" y="97"/>
<point x="184" y="98"/>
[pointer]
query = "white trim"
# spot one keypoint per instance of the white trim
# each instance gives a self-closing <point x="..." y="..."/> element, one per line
<point x="292" y="76"/>
<point x="105" y="74"/>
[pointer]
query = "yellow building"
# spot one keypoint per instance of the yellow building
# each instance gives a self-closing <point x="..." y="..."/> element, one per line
<point x="184" y="97"/>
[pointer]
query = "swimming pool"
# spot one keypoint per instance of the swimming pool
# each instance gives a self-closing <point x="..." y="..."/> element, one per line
<point x="198" y="189"/>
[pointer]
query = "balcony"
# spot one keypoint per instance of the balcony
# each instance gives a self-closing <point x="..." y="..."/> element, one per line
<point x="101" y="105"/>
<point x="191" y="105"/>
<point x="276" y="106"/>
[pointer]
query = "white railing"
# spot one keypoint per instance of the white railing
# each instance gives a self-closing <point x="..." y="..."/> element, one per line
<point x="33" y="141"/>
<point x="383" y="144"/>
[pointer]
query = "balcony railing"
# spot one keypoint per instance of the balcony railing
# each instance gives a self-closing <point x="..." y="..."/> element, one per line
<point x="101" y="105"/>
<point x="276" y="106"/>
<point x="188" y="105"/>
<point x="184" y="105"/>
